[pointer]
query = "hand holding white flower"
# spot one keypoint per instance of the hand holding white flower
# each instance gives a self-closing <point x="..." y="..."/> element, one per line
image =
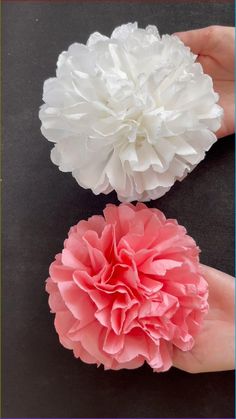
<point x="131" y="113"/>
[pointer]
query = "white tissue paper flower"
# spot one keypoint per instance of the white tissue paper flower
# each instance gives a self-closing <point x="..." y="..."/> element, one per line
<point x="131" y="113"/>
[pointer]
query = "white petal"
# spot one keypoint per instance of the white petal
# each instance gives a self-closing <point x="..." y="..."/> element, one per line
<point x="121" y="32"/>
<point x="96" y="37"/>
<point x="152" y="29"/>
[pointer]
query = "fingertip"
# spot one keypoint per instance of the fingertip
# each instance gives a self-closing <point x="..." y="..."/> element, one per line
<point x="185" y="37"/>
<point x="180" y="35"/>
<point x="196" y="39"/>
<point x="202" y="268"/>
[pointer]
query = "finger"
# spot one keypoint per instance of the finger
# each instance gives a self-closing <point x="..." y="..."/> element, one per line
<point x="213" y="351"/>
<point x="221" y="286"/>
<point x="199" y="40"/>
<point x="214" y="275"/>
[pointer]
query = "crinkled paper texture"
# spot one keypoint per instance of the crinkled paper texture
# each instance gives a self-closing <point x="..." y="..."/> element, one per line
<point x="131" y="113"/>
<point x="127" y="289"/>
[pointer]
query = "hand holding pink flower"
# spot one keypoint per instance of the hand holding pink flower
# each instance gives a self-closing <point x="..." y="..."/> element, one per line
<point x="127" y="288"/>
<point x="214" y="348"/>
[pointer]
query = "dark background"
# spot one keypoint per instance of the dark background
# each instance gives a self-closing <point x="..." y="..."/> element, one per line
<point x="40" y="377"/>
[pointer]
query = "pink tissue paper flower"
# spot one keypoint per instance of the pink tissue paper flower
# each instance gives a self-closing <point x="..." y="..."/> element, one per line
<point x="127" y="288"/>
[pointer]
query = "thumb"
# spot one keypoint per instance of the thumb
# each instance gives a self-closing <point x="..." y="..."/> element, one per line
<point x="198" y="40"/>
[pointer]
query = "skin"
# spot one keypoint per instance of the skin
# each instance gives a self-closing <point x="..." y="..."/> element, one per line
<point x="214" y="346"/>
<point x="214" y="46"/>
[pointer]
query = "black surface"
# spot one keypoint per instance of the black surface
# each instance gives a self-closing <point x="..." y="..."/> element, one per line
<point x="40" y="377"/>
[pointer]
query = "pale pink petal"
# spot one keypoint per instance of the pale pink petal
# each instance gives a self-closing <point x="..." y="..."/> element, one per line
<point x="159" y="267"/>
<point x="68" y="259"/>
<point x="81" y="353"/>
<point x="77" y="301"/>
<point x="104" y="316"/>
<point x="113" y="343"/>
<point x="55" y="300"/>
<point x="131" y="350"/>
<point x="90" y="337"/>
<point x="59" y="272"/>
<point x="134" y="363"/>
<point x="166" y="357"/>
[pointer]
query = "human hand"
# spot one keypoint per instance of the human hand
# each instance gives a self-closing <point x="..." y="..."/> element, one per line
<point x="214" y="346"/>
<point x="214" y="46"/>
